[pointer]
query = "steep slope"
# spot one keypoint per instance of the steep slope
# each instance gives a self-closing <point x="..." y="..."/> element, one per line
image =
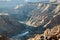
<point x="10" y="26"/>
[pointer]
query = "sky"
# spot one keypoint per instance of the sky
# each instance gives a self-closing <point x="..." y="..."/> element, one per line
<point x="11" y="3"/>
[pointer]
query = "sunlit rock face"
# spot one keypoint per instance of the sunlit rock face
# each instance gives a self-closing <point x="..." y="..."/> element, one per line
<point x="18" y="6"/>
<point x="56" y="1"/>
<point x="53" y="0"/>
<point x="37" y="14"/>
<point x="4" y="14"/>
<point x="49" y="34"/>
<point x="43" y="15"/>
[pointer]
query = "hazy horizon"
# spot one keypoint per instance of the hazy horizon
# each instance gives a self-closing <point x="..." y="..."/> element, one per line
<point x="12" y="3"/>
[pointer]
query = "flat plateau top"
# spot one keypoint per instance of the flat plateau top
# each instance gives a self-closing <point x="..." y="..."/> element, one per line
<point x="44" y="2"/>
